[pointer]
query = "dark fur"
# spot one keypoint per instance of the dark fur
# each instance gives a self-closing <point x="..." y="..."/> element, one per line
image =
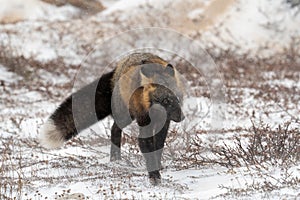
<point x="70" y="123"/>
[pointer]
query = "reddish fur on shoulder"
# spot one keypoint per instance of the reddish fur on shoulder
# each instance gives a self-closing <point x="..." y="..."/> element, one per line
<point x="147" y="90"/>
<point x="140" y="100"/>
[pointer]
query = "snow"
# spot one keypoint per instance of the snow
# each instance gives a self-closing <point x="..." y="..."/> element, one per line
<point x="39" y="50"/>
<point x="8" y="76"/>
<point x="123" y="5"/>
<point x="82" y="167"/>
<point x="196" y="14"/>
<point x="249" y="25"/>
<point x="203" y="184"/>
<point x="253" y="24"/>
<point x="19" y="10"/>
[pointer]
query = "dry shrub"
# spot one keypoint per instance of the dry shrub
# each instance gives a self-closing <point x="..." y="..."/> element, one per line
<point x="266" y="150"/>
<point x="266" y="147"/>
<point x="11" y="177"/>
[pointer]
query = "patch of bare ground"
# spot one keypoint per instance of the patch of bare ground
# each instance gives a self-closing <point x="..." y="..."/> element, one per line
<point x="91" y="6"/>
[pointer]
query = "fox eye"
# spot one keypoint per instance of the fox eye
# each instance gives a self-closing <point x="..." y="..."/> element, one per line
<point x="165" y="102"/>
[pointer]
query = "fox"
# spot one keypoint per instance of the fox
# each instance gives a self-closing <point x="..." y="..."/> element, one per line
<point x="142" y="87"/>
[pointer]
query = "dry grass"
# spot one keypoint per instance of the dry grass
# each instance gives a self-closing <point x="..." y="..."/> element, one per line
<point x="258" y="149"/>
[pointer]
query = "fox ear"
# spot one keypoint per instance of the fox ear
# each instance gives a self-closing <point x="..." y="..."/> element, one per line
<point x="170" y="70"/>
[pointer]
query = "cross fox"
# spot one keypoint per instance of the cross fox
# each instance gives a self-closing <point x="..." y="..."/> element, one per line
<point x="143" y="85"/>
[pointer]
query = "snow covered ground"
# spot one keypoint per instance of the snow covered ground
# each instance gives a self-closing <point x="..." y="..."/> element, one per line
<point x="17" y="10"/>
<point x="42" y="54"/>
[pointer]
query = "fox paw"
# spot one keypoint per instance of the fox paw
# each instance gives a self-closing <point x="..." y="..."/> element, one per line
<point x="155" y="178"/>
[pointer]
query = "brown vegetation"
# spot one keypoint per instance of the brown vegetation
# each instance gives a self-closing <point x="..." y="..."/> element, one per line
<point x="91" y="6"/>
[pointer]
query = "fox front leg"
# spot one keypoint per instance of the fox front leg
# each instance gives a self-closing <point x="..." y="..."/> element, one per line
<point x="115" y="148"/>
<point x="147" y="147"/>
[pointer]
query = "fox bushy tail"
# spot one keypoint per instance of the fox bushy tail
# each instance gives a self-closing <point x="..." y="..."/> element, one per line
<point x="79" y="111"/>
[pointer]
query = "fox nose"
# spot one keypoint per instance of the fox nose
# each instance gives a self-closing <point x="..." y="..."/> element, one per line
<point x="182" y="117"/>
<point x="177" y="116"/>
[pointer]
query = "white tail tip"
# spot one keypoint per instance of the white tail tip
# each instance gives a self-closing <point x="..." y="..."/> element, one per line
<point x="50" y="137"/>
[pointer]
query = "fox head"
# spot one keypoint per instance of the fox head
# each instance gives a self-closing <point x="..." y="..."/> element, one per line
<point x="159" y="94"/>
<point x="162" y="88"/>
<point x="162" y="75"/>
